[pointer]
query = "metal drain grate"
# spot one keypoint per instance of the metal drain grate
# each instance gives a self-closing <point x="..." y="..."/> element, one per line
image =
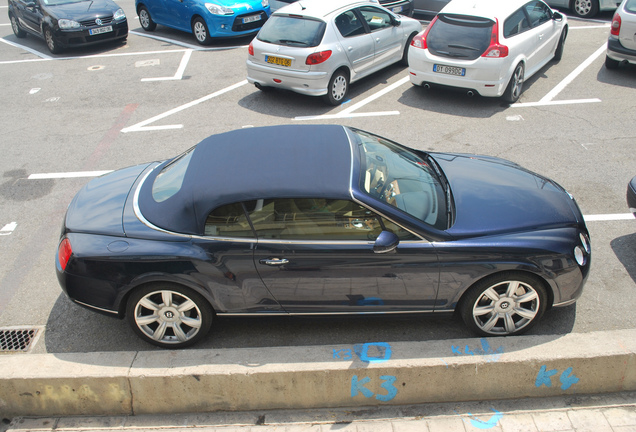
<point x="17" y="339"/>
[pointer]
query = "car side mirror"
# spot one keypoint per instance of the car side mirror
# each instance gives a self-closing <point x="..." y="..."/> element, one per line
<point x="386" y="242"/>
<point x="556" y="16"/>
<point x="397" y="22"/>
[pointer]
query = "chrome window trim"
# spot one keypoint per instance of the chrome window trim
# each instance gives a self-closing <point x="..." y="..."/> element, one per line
<point x="410" y="312"/>
<point x="95" y="307"/>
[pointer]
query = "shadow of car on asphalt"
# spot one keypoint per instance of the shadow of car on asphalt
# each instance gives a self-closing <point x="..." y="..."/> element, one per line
<point x="625" y="249"/>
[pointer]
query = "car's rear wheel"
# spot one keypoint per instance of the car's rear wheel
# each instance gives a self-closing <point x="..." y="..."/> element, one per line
<point x="504" y="305"/>
<point x="558" y="53"/>
<point x="200" y="30"/>
<point x="515" y="85"/>
<point x="584" y="8"/>
<point x="169" y="316"/>
<point x="51" y="42"/>
<point x="338" y="88"/>
<point x="15" y="25"/>
<point x="146" y="20"/>
<point x="610" y="63"/>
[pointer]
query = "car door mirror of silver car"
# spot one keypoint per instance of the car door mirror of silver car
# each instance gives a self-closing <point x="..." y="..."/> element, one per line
<point x="556" y="16"/>
<point x="397" y="22"/>
<point x="386" y="242"/>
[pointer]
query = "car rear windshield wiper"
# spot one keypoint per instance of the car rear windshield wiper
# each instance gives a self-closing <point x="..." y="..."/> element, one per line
<point x="463" y="47"/>
<point x="290" y="42"/>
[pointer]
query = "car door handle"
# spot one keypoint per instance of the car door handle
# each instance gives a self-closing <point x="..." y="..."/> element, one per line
<point x="377" y="40"/>
<point x="274" y="261"/>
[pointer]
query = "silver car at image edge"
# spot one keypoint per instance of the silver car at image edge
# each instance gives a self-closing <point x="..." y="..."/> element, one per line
<point x="319" y="47"/>
<point x="621" y="44"/>
<point x="580" y="8"/>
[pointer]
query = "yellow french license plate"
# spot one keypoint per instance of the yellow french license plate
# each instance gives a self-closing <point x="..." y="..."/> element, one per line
<point x="278" y="61"/>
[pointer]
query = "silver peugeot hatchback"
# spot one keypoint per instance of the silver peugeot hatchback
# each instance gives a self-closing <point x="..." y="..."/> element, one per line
<point x="319" y="47"/>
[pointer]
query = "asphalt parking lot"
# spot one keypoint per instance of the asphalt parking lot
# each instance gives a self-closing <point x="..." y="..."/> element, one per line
<point x="93" y="110"/>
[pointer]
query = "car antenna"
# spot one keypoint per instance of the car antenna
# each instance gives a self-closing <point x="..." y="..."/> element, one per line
<point x="302" y="6"/>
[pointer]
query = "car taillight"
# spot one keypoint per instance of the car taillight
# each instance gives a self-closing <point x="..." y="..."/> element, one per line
<point x="64" y="252"/>
<point x="419" y="41"/>
<point x="616" y="25"/>
<point x="495" y="49"/>
<point x="317" y="58"/>
<point x="250" y="49"/>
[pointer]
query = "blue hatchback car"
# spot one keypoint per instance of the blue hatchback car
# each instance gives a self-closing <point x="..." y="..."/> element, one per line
<point x="205" y="19"/>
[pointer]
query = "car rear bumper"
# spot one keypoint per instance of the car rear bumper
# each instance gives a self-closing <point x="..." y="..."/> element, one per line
<point x="490" y="88"/>
<point x="307" y="83"/>
<point x="618" y="52"/>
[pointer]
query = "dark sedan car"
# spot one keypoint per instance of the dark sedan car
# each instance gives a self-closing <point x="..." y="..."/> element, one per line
<point x="319" y="220"/>
<point x="68" y="23"/>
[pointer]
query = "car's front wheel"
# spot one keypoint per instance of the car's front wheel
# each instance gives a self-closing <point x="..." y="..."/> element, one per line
<point x="169" y="316"/>
<point x="146" y="20"/>
<point x="51" y="42"/>
<point x="558" y="53"/>
<point x="15" y="25"/>
<point x="338" y="88"/>
<point x="584" y="8"/>
<point x="504" y="305"/>
<point x="200" y="30"/>
<point x="515" y="85"/>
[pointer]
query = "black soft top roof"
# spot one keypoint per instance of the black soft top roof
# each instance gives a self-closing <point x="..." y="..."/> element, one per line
<point x="293" y="161"/>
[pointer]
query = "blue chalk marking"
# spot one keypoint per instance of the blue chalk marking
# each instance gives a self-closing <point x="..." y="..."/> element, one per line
<point x="358" y="387"/>
<point x="543" y="377"/>
<point x="363" y="352"/>
<point x="345" y="356"/>
<point x="567" y="379"/>
<point x="485" y="350"/>
<point x="389" y="387"/>
<point x="489" y="424"/>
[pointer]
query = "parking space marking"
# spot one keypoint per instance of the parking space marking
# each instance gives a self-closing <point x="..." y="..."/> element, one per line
<point x="547" y="99"/>
<point x="185" y="44"/>
<point x="76" y="174"/>
<point x="349" y="112"/>
<point x="179" y="74"/>
<point x="608" y="217"/>
<point x="8" y="228"/>
<point x="143" y="126"/>
<point x="32" y="51"/>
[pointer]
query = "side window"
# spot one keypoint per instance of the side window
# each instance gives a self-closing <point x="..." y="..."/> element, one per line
<point x="538" y="12"/>
<point x="377" y="19"/>
<point x="516" y="23"/>
<point x="317" y="219"/>
<point x="228" y="221"/>
<point x="349" y="25"/>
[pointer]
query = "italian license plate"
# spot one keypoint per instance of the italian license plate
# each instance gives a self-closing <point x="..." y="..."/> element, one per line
<point x="449" y="70"/>
<point x="278" y="61"/>
<point x="397" y="9"/>
<point x="100" y="30"/>
<point x="251" y="19"/>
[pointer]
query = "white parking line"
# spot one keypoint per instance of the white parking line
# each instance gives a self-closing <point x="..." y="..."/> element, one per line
<point x="142" y="126"/>
<point x="179" y="75"/>
<point x="608" y="217"/>
<point x="185" y="44"/>
<point x="547" y="99"/>
<point x="32" y="51"/>
<point x="8" y="228"/>
<point x="348" y="112"/>
<point x="67" y="175"/>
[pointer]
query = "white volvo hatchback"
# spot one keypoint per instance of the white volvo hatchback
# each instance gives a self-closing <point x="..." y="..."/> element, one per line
<point x="319" y="47"/>
<point x="487" y="47"/>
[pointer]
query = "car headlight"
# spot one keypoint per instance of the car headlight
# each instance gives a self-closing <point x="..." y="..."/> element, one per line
<point x="585" y="242"/>
<point x="583" y="250"/>
<point x="579" y="255"/>
<point x="265" y="3"/>
<point x="119" y="15"/>
<point x="66" y="24"/>
<point x="218" y="9"/>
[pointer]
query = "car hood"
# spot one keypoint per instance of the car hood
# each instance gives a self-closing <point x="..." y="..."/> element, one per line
<point x="83" y="10"/>
<point x="98" y="207"/>
<point x="493" y="196"/>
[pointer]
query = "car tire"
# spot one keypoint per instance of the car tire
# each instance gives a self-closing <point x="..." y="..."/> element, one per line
<point x="15" y="25"/>
<point x="51" y="42"/>
<point x="584" y="8"/>
<point x="610" y="63"/>
<point x="405" y="55"/>
<point x="169" y="316"/>
<point x="338" y="88"/>
<point x="146" y="20"/>
<point x="558" y="53"/>
<point x="515" y="85"/>
<point x="504" y="305"/>
<point x="200" y="31"/>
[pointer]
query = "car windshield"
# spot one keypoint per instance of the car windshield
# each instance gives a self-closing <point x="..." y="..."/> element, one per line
<point x="168" y="182"/>
<point x="461" y="37"/>
<point x="403" y="179"/>
<point x="292" y="30"/>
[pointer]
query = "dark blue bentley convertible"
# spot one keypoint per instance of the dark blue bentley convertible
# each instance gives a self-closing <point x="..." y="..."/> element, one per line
<point x="321" y="219"/>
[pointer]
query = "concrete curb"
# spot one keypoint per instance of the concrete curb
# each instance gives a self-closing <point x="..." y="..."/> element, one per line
<point x="377" y="373"/>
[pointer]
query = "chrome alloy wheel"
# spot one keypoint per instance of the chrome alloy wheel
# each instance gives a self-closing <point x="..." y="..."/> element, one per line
<point x="200" y="32"/>
<point x="583" y="7"/>
<point x="144" y="18"/>
<point x="339" y="88"/>
<point x="506" y="307"/>
<point x="168" y="317"/>
<point x="517" y="82"/>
